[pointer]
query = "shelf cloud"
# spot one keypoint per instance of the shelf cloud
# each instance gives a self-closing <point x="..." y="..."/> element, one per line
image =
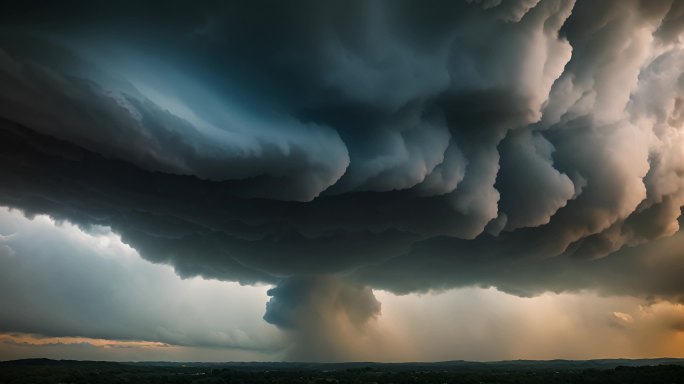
<point x="334" y="148"/>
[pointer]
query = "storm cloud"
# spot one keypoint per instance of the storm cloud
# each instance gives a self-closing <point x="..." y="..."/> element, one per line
<point x="334" y="147"/>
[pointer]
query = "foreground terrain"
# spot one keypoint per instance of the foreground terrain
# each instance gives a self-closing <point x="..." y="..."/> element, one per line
<point x="556" y="371"/>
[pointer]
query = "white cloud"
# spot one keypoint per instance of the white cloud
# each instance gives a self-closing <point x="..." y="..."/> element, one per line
<point x="64" y="281"/>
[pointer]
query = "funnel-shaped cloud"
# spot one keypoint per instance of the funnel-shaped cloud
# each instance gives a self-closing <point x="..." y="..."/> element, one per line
<point x="326" y="316"/>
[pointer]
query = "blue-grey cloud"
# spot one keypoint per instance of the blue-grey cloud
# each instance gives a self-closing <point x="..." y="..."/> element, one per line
<point x="526" y="145"/>
<point x="57" y="280"/>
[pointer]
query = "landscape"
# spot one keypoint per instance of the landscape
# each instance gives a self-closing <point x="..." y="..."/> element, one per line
<point x="342" y="191"/>
<point x="521" y="371"/>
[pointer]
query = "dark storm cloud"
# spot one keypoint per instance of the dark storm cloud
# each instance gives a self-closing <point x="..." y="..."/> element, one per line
<point x="323" y="314"/>
<point x="526" y="145"/>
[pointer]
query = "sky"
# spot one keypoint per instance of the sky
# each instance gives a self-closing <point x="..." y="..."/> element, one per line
<point x="342" y="181"/>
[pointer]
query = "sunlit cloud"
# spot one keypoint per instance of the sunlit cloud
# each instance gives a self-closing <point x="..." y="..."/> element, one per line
<point x="38" y="340"/>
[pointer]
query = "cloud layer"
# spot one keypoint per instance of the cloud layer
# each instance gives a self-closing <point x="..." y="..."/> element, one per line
<point x="525" y="145"/>
<point x="57" y="280"/>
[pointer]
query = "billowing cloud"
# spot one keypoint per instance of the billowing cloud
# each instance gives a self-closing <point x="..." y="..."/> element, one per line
<point x="327" y="317"/>
<point x="332" y="147"/>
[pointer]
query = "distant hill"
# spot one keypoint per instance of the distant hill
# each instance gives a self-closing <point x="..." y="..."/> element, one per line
<point x="458" y="365"/>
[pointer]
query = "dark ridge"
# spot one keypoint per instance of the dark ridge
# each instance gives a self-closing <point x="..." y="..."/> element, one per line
<point x="607" y="371"/>
<point x="458" y="365"/>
